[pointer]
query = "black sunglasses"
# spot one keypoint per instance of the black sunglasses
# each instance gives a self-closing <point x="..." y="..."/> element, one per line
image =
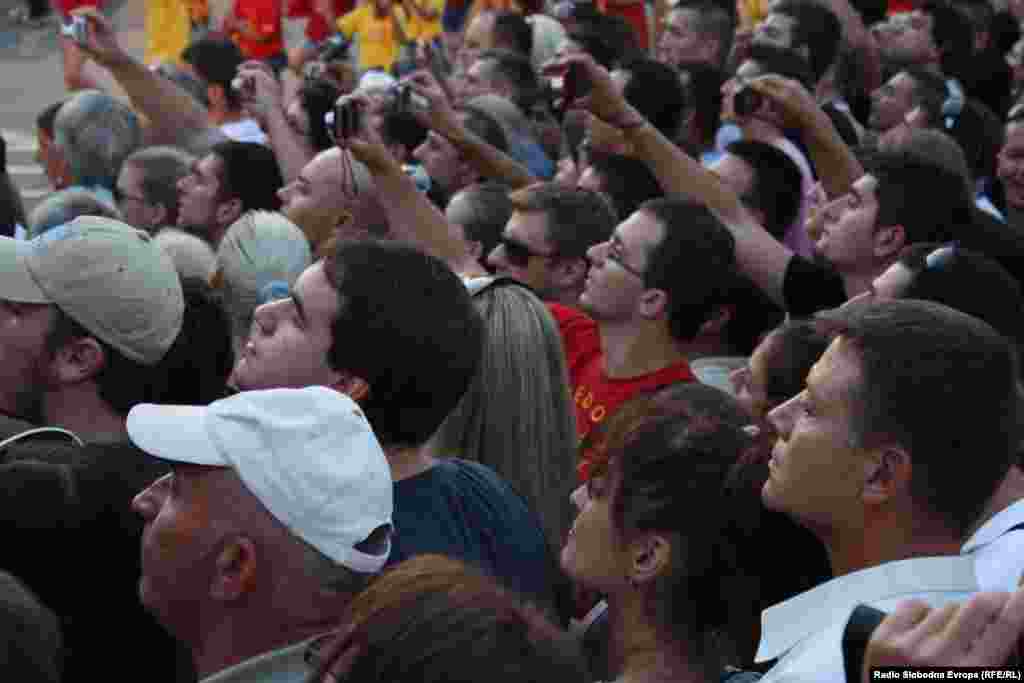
<point x="518" y="254"/>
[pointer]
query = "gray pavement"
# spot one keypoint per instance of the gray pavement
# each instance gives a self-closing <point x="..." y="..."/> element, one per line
<point x="30" y="62"/>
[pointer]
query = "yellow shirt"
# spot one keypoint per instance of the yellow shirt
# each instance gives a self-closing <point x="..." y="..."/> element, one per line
<point x="424" y="30"/>
<point x="752" y="12"/>
<point x="377" y="42"/>
<point x="167" y="29"/>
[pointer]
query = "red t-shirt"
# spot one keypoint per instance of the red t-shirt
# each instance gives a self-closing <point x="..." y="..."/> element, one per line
<point x="596" y="395"/>
<point x="317" y="28"/>
<point x="264" y="16"/>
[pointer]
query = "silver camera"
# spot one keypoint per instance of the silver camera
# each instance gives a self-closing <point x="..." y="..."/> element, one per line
<point x="76" y="30"/>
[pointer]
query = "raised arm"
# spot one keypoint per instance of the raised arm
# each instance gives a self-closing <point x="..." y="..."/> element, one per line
<point x="491" y="162"/>
<point x="759" y="255"/>
<point x="173" y="116"/>
<point x="264" y="100"/>
<point x="412" y="216"/>
<point x="836" y="164"/>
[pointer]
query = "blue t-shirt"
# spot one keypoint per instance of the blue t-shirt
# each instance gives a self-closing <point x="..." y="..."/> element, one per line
<point x="464" y="510"/>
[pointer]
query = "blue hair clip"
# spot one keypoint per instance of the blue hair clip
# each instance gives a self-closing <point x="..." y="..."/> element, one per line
<point x="274" y="291"/>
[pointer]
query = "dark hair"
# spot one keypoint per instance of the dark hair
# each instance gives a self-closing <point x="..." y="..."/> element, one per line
<point x="122" y="382"/>
<point x="608" y="39"/>
<point x="783" y="62"/>
<point x="216" y="61"/>
<point x="672" y="468"/>
<point x="432" y="619"/>
<point x="318" y="97"/>
<point x="716" y="19"/>
<point x="929" y="91"/>
<point x="512" y="30"/>
<point x="12" y="210"/>
<point x="32" y="646"/>
<point x="655" y="90"/>
<point x="48" y="116"/>
<point x="577" y="219"/>
<point x="979" y="132"/>
<point x="484" y="126"/>
<point x="817" y="27"/>
<point x="490" y="211"/>
<point x="200" y="359"/>
<point x="968" y="281"/>
<point x="953" y="35"/>
<point x="627" y="181"/>
<point x="408" y="328"/>
<point x="704" y="94"/>
<point x="695" y="243"/>
<point x="516" y="71"/>
<point x="930" y="202"/>
<point x="789" y="351"/>
<point x="942" y="385"/>
<point x="249" y="173"/>
<point x="777" y="189"/>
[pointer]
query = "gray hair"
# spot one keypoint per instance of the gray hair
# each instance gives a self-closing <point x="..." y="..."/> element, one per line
<point x="95" y="133"/>
<point x="162" y="168"/>
<point x="64" y="206"/>
<point x="192" y="256"/>
<point x="517" y="416"/>
<point x="259" y="259"/>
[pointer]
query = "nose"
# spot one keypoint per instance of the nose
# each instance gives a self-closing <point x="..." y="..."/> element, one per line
<point x="418" y="153"/>
<point x="148" y="502"/>
<point x="781" y="417"/>
<point x="183" y="183"/>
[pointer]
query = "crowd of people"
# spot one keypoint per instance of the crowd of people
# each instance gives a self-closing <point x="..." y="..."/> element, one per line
<point x="486" y="340"/>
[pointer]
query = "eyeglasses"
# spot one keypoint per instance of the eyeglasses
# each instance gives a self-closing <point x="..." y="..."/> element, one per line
<point x="618" y="258"/>
<point x="120" y="196"/>
<point x="518" y="254"/>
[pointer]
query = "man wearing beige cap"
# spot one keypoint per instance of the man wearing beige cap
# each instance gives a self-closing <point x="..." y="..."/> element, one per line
<point x="277" y="511"/>
<point x="87" y="311"/>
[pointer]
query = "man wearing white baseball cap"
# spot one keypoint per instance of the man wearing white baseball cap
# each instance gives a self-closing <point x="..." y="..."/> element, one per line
<point x="276" y="512"/>
<point x="87" y="312"/>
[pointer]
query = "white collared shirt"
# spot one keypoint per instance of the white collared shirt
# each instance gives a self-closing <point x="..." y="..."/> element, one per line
<point x="805" y="632"/>
<point x="998" y="555"/>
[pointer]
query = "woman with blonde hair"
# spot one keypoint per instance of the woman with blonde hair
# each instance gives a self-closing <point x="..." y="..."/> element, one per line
<point x="517" y="416"/>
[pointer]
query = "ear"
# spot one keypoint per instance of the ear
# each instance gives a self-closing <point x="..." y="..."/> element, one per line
<point x="356" y="388"/>
<point x="235" y="570"/>
<point x="653" y="303"/>
<point x="79" y="360"/>
<point x="228" y="212"/>
<point x="650" y="556"/>
<point x="889" y="240"/>
<point x="886" y="474"/>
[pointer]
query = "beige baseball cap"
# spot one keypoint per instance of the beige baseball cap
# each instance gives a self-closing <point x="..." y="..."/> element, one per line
<point x="105" y="275"/>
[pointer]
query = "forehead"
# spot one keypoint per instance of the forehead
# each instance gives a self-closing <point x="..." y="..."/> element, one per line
<point x="748" y="69"/>
<point x="866" y="186"/>
<point x="683" y="18"/>
<point x="209" y="166"/>
<point x="529" y="226"/>
<point x="836" y="374"/>
<point x="640" y="231"/>
<point x="325" y="168"/>
<point x="737" y="173"/>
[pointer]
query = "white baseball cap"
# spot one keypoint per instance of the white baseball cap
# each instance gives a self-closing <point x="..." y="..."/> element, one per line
<point x="308" y="455"/>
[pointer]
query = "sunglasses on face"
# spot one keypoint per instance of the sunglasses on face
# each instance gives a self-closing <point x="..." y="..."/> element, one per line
<point x="519" y="254"/>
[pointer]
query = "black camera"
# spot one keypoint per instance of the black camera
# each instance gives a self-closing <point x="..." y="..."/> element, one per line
<point x="347" y="118"/>
<point x="747" y="101"/>
<point x="405" y="100"/>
